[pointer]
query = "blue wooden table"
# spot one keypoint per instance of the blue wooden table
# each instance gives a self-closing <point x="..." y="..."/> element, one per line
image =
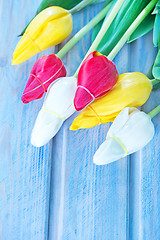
<point x="55" y="192"/>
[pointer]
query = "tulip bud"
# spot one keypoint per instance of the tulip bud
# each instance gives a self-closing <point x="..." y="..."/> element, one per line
<point x="45" y="70"/>
<point x="131" y="90"/>
<point x="130" y="131"/>
<point x="96" y="76"/>
<point x="49" y="28"/>
<point x="57" y="107"/>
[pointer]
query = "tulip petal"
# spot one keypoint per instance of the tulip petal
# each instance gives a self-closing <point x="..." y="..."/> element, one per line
<point x="109" y="151"/>
<point x="58" y="106"/>
<point x="137" y="131"/>
<point x="96" y="76"/>
<point x="85" y="98"/>
<point x="121" y="120"/>
<point x="131" y="90"/>
<point x="49" y="28"/>
<point x="46" y="126"/>
<point x="46" y="70"/>
<point x="131" y="131"/>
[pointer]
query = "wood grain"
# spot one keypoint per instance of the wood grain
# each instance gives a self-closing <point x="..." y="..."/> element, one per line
<point x="87" y="201"/>
<point x="55" y="192"/>
<point x="144" y="165"/>
<point x="24" y="170"/>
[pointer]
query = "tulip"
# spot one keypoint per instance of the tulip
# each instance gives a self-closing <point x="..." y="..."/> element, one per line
<point x="50" y="27"/>
<point x="96" y="76"/>
<point x="46" y="70"/>
<point x="130" y="131"/>
<point x="58" y="105"/>
<point x="131" y="90"/>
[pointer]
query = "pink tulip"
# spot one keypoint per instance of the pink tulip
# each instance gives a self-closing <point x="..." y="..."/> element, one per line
<point x="96" y="76"/>
<point x="45" y="70"/>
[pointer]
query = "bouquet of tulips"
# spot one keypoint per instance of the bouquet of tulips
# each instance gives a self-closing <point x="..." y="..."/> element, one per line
<point x="96" y="89"/>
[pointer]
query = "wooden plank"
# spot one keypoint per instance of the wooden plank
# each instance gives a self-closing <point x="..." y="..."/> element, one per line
<point x="118" y="201"/>
<point x="87" y="201"/>
<point x="144" y="165"/>
<point x="24" y="170"/>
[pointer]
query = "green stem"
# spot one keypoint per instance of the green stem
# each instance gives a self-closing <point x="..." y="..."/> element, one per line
<point x="154" y="112"/>
<point x="155" y="83"/>
<point x="80" y="6"/>
<point x="132" y="28"/>
<point x="103" y="30"/>
<point x="83" y="31"/>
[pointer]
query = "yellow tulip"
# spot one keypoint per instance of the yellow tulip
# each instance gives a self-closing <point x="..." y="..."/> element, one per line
<point x="131" y="90"/>
<point x="50" y="27"/>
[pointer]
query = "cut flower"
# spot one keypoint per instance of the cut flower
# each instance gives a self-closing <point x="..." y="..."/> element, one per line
<point x="49" y="28"/>
<point x="131" y="130"/>
<point x="57" y="107"/>
<point x="96" y="76"/>
<point x="45" y="70"/>
<point x="131" y="90"/>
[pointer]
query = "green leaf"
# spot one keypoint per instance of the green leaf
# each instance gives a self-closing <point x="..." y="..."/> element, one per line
<point x="156" y="30"/>
<point x="156" y="85"/>
<point x="127" y="14"/>
<point x="143" y="28"/>
<point x="157" y="8"/>
<point x="67" y="4"/>
<point x="99" y="25"/>
<point x="150" y="74"/>
<point x="156" y="67"/>
<point x="61" y="3"/>
<point x="99" y="1"/>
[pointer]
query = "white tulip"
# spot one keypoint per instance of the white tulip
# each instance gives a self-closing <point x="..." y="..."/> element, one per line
<point x="131" y="130"/>
<point x="57" y="107"/>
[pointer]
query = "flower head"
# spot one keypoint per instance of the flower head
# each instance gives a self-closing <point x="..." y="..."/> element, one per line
<point x="49" y="28"/>
<point x="130" y="131"/>
<point x="96" y="76"/>
<point x="57" y="107"/>
<point x="46" y="70"/>
<point x="131" y="90"/>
